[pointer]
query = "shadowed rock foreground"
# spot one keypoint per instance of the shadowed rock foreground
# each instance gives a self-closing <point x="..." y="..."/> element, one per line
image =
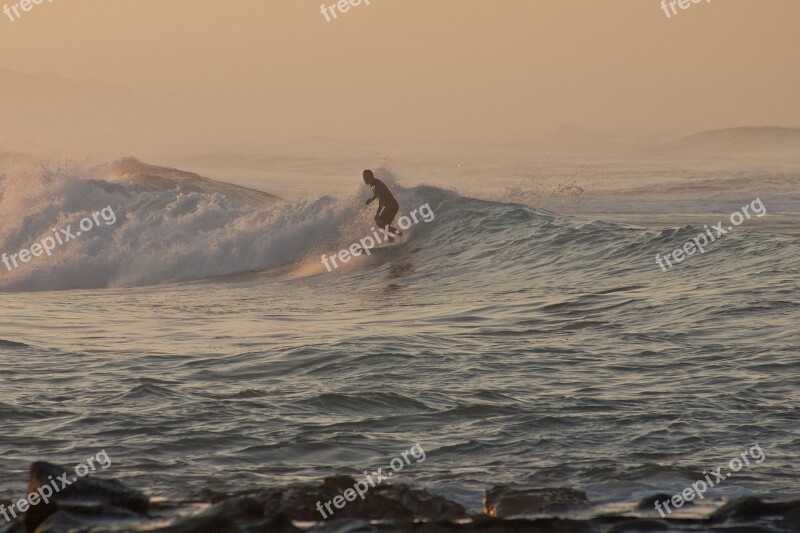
<point x="95" y="505"/>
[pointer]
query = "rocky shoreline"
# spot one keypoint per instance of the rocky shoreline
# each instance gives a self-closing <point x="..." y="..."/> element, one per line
<point x="94" y="505"/>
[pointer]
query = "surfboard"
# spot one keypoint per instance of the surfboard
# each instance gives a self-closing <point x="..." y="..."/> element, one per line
<point x="387" y="245"/>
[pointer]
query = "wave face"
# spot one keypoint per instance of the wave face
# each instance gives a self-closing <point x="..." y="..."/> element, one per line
<point x="170" y="226"/>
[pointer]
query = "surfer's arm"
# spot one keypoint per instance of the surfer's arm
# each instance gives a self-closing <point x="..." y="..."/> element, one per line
<point x="371" y="199"/>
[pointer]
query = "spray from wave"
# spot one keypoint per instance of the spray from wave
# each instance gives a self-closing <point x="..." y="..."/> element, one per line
<point x="171" y="226"/>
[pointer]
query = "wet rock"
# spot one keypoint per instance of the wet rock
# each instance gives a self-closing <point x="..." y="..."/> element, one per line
<point x="213" y="496"/>
<point x="422" y="504"/>
<point x="10" y="524"/>
<point x="791" y="519"/>
<point x="67" y="522"/>
<point x="88" y="516"/>
<point x="648" y="503"/>
<point x="505" y="501"/>
<point x="236" y="515"/>
<point x="748" y="509"/>
<point x="273" y="524"/>
<point x="95" y="505"/>
<point x="345" y="525"/>
<point x="641" y="526"/>
<point x="299" y="501"/>
<point x="383" y="502"/>
<point x="340" y="483"/>
<point x="748" y="529"/>
<point x="489" y="524"/>
<point x="15" y="526"/>
<point x="86" y="495"/>
<point x="221" y="518"/>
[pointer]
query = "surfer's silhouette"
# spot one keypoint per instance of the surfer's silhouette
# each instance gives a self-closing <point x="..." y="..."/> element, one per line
<point x="387" y="205"/>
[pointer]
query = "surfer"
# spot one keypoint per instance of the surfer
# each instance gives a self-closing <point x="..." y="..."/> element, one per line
<point x="387" y="205"/>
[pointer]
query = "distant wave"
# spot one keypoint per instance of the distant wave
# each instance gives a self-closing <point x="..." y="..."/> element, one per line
<point x="153" y="177"/>
<point x="740" y="139"/>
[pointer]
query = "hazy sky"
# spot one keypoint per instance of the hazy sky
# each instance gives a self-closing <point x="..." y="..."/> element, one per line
<point x="272" y="70"/>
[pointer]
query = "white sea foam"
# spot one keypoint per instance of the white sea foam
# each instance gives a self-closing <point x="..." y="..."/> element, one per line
<point x="171" y="226"/>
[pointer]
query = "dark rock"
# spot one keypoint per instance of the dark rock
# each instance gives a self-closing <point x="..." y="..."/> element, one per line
<point x="67" y="522"/>
<point x="236" y="508"/>
<point x="497" y="525"/>
<point x="224" y="517"/>
<point x="235" y="515"/>
<point x="299" y="501"/>
<point x="749" y="509"/>
<point x="272" y="524"/>
<point x="88" y="507"/>
<point x="749" y="528"/>
<point x="212" y="496"/>
<point x="505" y="501"/>
<point x="95" y="505"/>
<point x="345" y="525"/>
<point x="340" y="483"/>
<point x="422" y="504"/>
<point x="640" y="526"/>
<point x="648" y="503"/>
<point x="87" y="494"/>
<point x="791" y="519"/>
<point x="15" y="526"/>
<point x="383" y="502"/>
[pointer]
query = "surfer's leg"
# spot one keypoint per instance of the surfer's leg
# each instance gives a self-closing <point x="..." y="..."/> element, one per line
<point x="392" y="231"/>
<point x="389" y="215"/>
<point x="382" y="222"/>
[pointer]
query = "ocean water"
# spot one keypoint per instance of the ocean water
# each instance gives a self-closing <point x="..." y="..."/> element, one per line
<point x="199" y="340"/>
